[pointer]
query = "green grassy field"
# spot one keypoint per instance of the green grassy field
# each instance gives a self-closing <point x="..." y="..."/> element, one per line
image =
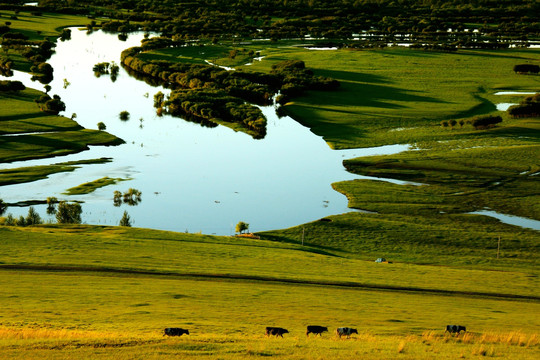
<point x="95" y="292"/>
<point x="40" y="134"/>
<point x="108" y="292"/>
<point x="38" y="27"/>
<point x="397" y="88"/>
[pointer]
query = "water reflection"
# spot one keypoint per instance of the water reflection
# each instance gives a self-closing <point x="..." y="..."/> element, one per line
<point x="194" y="178"/>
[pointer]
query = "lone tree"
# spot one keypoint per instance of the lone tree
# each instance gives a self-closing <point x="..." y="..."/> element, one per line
<point x="51" y="205"/>
<point x="101" y="126"/>
<point x="68" y="213"/>
<point x="124" y="115"/>
<point x="3" y="207"/>
<point x="126" y="220"/>
<point x="33" y="217"/>
<point x="241" y="227"/>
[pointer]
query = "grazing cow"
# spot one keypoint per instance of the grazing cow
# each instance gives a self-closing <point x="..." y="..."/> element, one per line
<point x="455" y="329"/>
<point x="315" y="329"/>
<point x="175" y="331"/>
<point x="276" y="331"/>
<point x="345" y="331"/>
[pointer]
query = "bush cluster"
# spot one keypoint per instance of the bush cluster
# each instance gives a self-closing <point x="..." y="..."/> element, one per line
<point x="529" y="107"/>
<point x="7" y="85"/>
<point x="478" y="122"/>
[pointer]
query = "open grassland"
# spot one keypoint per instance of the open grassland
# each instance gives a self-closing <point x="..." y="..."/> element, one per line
<point x="37" y="134"/>
<point x="467" y="240"/>
<point x="20" y="114"/>
<point x="38" y="27"/>
<point x="400" y="88"/>
<point x="105" y="292"/>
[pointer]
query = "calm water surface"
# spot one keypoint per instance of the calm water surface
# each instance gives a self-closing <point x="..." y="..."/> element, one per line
<point x="192" y="178"/>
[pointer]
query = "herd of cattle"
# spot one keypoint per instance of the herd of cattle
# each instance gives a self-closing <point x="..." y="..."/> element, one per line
<point x="311" y="329"/>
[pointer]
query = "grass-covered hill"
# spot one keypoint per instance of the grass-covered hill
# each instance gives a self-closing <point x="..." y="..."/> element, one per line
<point x="108" y="292"/>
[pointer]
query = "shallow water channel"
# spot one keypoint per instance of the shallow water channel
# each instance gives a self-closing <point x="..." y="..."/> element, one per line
<point x="192" y="178"/>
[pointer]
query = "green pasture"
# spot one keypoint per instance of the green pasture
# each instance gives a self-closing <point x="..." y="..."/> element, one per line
<point x="399" y="88"/>
<point x="38" y="134"/>
<point x="160" y="252"/>
<point x="421" y="237"/>
<point x="20" y="114"/>
<point x="38" y="27"/>
<point x="108" y="292"/>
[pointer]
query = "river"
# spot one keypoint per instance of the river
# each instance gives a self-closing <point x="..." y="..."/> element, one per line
<point x="192" y="178"/>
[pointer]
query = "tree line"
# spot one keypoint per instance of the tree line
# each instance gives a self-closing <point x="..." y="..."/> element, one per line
<point x="477" y="122"/>
<point x="513" y="21"/>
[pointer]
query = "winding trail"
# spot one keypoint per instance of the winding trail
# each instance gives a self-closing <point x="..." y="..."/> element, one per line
<point x="255" y="278"/>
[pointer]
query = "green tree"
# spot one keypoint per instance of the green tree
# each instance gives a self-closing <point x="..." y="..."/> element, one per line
<point x="132" y="197"/>
<point x="159" y="97"/>
<point x="117" y="198"/>
<point x="21" y="221"/>
<point x="241" y="227"/>
<point x="126" y="220"/>
<point x="3" y="207"/>
<point x="101" y="126"/>
<point x="68" y="213"/>
<point x="124" y="115"/>
<point x="33" y="217"/>
<point x="51" y="205"/>
<point x="10" y="220"/>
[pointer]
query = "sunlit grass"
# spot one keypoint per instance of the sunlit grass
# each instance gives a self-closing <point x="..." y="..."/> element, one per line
<point x="40" y="134"/>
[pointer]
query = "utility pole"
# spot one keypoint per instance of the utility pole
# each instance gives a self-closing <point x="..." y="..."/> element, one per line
<point x="498" y="246"/>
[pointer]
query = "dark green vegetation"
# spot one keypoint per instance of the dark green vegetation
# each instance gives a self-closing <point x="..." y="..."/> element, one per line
<point x="375" y="22"/>
<point x="212" y="95"/>
<point x="529" y="107"/>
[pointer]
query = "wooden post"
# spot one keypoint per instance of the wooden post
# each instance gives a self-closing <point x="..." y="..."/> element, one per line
<point x="303" y="231"/>
<point x="498" y="246"/>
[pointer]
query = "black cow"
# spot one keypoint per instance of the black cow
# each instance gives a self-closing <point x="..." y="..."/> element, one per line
<point x="276" y="331"/>
<point x="175" y="331"/>
<point x="345" y="331"/>
<point x="455" y="329"/>
<point x="315" y="329"/>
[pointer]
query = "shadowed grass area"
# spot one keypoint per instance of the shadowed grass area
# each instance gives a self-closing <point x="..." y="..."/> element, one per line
<point x="399" y="88"/>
